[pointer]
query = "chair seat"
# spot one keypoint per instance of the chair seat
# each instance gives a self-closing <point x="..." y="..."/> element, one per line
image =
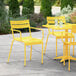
<point x="59" y="35"/>
<point x="29" y="40"/>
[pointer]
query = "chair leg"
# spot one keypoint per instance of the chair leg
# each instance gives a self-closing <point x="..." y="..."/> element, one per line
<point x="42" y="54"/>
<point x="10" y="51"/>
<point x="73" y="46"/>
<point x="64" y="53"/>
<point x="69" y="65"/>
<point x="69" y="59"/>
<point x="56" y="47"/>
<point x="73" y="50"/>
<point x="31" y="53"/>
<point x="46" y="44"/>
<point x="24" y="54"/>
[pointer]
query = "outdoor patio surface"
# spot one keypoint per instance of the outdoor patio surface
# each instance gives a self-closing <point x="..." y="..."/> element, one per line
<point x="34" y="67"/>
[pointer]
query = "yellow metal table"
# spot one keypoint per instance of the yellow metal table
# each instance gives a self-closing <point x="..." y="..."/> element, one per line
<point x="65" y="27"/>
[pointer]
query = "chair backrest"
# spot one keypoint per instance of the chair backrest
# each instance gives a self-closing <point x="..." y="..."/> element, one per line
<point x="62" y="18"/>
<point x="51" y="20"/>
<point x="74" y="28"/>
<point x="20" y="24"/>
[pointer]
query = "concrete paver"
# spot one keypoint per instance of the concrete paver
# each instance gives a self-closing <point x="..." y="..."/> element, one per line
<point x="34" y="67"/>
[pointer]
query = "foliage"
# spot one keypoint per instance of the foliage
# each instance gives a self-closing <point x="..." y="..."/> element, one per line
<point x="73" y="17"/>
<point x="53" y="2"/>
<point x="37" y="2"/>
<point x="14" y="9"/>
<point x="57" y="2"/>
<point x="18" y="18"/>
<point x="6" y="1"/>
<point x="66" y="11"/>
<point x="68" y="19"/>
<point x="37" y="20"/>
<point x="20" y="2"/>
<point x="65" y="3"/>
<point x="46" y="8"/>
<point x="28" y="7"/>
<point x="4" y="19"/>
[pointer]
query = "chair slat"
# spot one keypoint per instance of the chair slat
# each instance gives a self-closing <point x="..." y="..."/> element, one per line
<point x="20" y="24"/>
<point x="51" y="20"/>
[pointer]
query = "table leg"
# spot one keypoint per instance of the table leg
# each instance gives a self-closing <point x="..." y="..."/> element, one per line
<point x="66" y="40"/>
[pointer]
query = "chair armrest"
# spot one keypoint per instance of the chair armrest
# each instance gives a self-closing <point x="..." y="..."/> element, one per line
<point x="17" y="31"/>
<point x="39" y="29"/>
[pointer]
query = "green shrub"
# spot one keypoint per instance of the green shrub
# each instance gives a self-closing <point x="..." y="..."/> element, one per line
<point x="65" y="3"/>
<point x="4" y="19"/>
<point x="68" y="19"/>
<point x="18" y="18"/>
<point x="37" y="2"/>
<point x="57" y="2"/>
<point x="14" y="10"/>
<point x="37" y="20"/>
<point x="46" y="8"/>
<point x="6" y="2"/>
<point x="73" y="17"/>
<point x="20" y="2"/>
<point x="66" y="11"/>
<point x="28" y="7"/>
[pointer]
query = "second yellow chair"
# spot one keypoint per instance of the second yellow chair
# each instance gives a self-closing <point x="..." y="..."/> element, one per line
<point x="51" y="21"/>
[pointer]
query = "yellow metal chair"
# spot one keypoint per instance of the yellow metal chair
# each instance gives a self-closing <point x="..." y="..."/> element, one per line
<point x="57" y="34"/>
<point x="51" y="21"/>
<point x="69" y="43"/>
<point x="26" y="40"/>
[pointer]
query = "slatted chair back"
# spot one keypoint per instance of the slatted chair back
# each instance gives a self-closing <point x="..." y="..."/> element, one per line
<point x="51" y="20"/>
<point x="20" y="24"/>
